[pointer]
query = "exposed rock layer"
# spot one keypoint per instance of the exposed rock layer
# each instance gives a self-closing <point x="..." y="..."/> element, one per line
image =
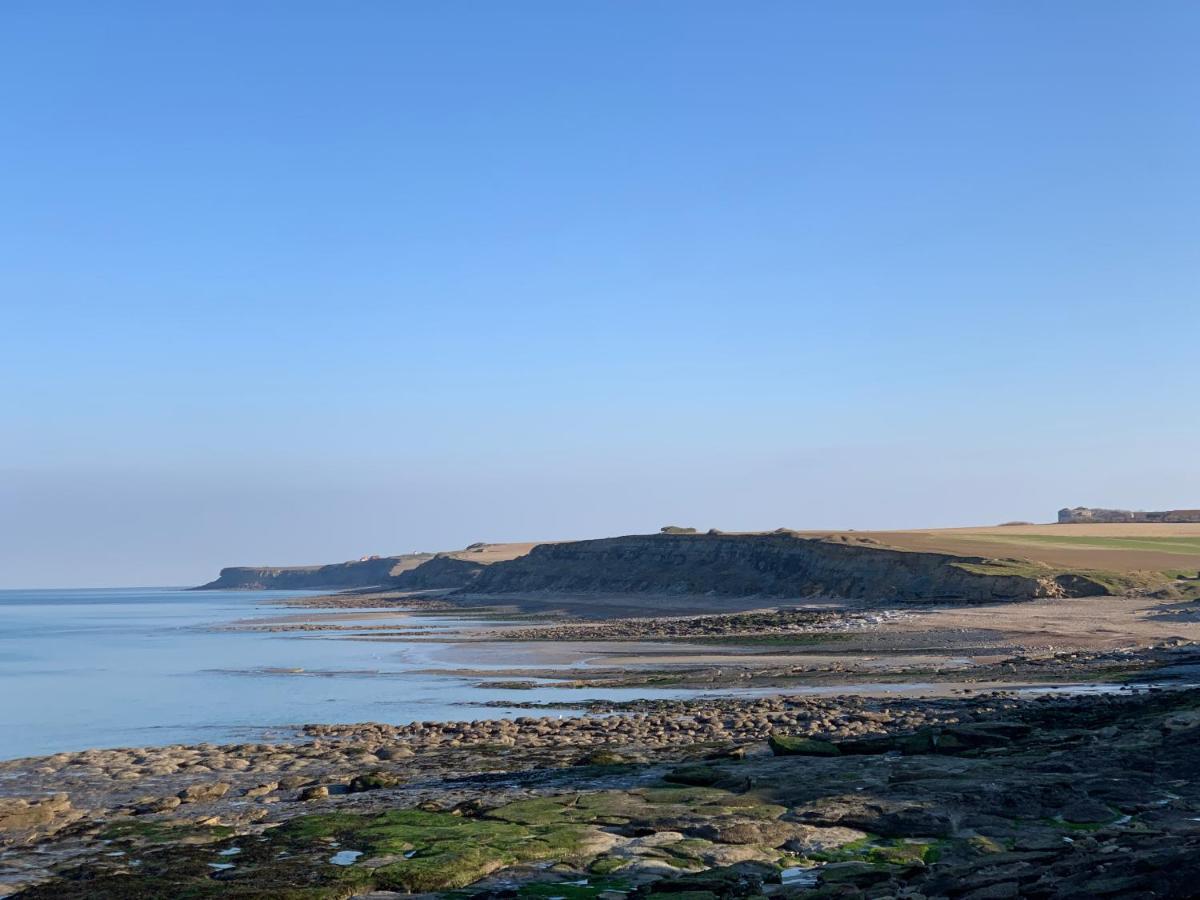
<point x="781" y="564"/>
<point x="372" y="572"/>
<point x="776" y="565"/>
<point x="442" y="572"/>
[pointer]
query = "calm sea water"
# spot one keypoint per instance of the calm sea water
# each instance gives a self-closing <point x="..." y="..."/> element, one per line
<point x="142" y="666"/>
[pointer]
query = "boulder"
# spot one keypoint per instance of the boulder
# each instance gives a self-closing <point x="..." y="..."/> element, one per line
<point x="204" y="792"/>
<point x="17" y="815"/>
<point x="373" y="781"/>
<point x="794" y="745"/>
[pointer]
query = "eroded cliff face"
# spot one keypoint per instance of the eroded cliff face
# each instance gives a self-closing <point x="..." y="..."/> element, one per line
<point x="772" y="565"/>
<point x="781" y="564"/>
<point x="377" y="571"/>
<point x="443" y="572"/>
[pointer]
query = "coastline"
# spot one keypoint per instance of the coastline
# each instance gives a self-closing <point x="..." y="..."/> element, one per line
<point x="730" y="687"/>
<point x="161" y="807"/>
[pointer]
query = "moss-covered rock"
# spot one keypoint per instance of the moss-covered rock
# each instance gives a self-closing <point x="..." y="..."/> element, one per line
<point x="604" y="758"/>
<point x="373" y="781"/>
<point x="794" y="745"/>
<point x="162" y="832"/>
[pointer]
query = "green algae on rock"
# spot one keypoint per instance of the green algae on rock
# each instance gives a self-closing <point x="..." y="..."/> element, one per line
<point x="792" y="745"/>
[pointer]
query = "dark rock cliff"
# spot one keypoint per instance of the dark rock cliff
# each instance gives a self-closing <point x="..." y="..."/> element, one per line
<point x="774" y="565"/>
<point x="372" y="572"/>
<point x="780" y="564"/>
<point x="443" y="572"/>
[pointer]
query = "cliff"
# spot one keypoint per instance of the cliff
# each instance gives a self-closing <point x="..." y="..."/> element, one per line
<point x="780" y="564"/>
<point x="443" y="572"/>
<point x="772" y="565"/>
<point x="371" y="572"/>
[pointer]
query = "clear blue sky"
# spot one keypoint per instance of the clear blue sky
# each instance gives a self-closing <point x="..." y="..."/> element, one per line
<point x="289" y="282"/>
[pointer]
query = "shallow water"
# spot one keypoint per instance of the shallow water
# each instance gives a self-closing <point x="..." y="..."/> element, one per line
<point x="154" y="666"/>
<point x="144" y="666"/>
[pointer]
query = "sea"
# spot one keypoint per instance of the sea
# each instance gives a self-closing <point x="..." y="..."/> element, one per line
<point x="127" y="667"/>
<point x="139" y="667"/>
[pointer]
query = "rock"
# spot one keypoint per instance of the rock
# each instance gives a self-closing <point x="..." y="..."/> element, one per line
<point x="202" y="793"/>
<point x="857" y="873"/>
<point x="1005" y="890"/>
<point x="764" y="834"/>
<point x="923" y="740"/>
<point x="155" y="805"/>
<point x="955" y="738"/>
<point x="812" y="839"/>
<point x="386" y="753"/>
<point x="262" y="790"/>
<point x="731" y="854"/>
<point x="740" y="880"/>
<point x="914" y="822"/>
<point x="316" y="792"/>
<point x="738" y="752"/>
<point x="1087" y="812"/>
<point x="697" y="776"/>
<point x="17" y="815"/>
<point x="779" y="564"/>
<point x="604" y="758"/>
<point x="373" y="781"/>
<point x="353" y="574"/>
<point x="792" y="745"/>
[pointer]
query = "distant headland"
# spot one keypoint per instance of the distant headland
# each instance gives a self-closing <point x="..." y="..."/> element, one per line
<point x="973" y="564"/>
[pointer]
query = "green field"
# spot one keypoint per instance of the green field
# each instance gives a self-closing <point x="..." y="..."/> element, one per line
<point x="1187" y="546"/>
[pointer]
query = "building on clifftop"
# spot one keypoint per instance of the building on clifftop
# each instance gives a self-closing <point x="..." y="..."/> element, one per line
<point x="1082" y="515"/>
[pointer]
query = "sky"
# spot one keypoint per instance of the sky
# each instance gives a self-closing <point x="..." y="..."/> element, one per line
<point x="296" y="282"/>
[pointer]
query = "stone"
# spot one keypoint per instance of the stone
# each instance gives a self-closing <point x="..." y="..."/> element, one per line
<point x="202" y="793"/>
<point x="604" y="758"/>
<point x="24" y="815"/>
<point x="699" y="776"/>
<point x="372" y="781"/>
<point x="813" y="839"/>
<point x="857" y="873"/>
<point x="1087" y="812"/>
<point x="155" y="805"/>
<point x="793" y="745"/>
<point x="394" y="753"/>
<point x="1004" y="890"/>
<point x="764" y="834"/>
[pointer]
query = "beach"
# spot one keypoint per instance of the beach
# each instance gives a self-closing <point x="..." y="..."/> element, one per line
<point x="426" y="699"/>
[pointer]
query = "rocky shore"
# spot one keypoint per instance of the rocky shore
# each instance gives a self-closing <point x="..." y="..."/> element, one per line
<point x="756" y="623"/>
<point x="981" y="797"/>
<point x="977" y="794"/>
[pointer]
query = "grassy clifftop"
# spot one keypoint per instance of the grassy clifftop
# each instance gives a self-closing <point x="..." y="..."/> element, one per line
<point x="780" y="564"/>
<point x="976" y="564"/>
